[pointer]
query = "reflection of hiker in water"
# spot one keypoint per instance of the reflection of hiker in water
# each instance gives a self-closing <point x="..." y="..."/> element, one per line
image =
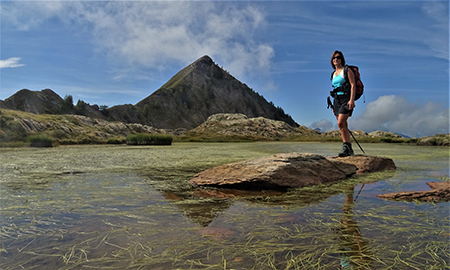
<point x="354" y="250"/>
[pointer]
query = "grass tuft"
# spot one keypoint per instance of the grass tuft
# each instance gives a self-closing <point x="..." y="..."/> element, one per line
<point x="149" y="139"/>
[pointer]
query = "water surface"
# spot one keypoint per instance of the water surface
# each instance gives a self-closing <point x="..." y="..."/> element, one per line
<point x="131" y="207"/>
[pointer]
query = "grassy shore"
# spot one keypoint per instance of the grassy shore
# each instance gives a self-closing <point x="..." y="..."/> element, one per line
<point x="19" y="129"/>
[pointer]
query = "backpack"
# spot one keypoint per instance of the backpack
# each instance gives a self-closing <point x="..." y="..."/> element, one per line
<point x="359" y="83"/>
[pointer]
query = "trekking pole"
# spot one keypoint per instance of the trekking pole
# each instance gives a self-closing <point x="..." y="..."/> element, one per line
<point x="356" y="141"/>
<point x="357" y="195"/>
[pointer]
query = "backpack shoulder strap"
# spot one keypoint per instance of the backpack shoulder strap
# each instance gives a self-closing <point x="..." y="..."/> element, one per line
<point x="345" y="72"/>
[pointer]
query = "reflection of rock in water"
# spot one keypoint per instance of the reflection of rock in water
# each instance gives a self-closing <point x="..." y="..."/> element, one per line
<point x="203" y="205"/>
<point x="216" y="233"/>
<point x="200" y="211"/>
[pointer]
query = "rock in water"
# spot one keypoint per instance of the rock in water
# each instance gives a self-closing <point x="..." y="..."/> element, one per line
<point x="366" y="164"/>
<point x="440" y="193"/>
<point x="277" y="171"/>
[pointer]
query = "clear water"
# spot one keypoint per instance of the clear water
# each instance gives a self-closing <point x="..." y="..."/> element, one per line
<point x="130" y="207"/>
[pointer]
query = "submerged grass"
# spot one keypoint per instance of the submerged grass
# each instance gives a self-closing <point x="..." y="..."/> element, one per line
<point x="116" y="206"/>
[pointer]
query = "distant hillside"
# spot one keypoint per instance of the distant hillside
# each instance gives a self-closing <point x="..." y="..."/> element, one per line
<point x="193" y="94"/>
<point x="48" y="102"/>
<point x="17" y="126"/>
<point x="37" y="102"/>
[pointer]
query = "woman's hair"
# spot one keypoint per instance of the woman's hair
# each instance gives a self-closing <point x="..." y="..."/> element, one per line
<point x="342" y="58"/>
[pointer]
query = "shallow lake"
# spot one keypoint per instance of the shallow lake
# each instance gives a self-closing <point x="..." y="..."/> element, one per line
<point x="131" y="207"/>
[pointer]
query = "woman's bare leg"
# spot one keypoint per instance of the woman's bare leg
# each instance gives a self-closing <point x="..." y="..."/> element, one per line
<point x="343" y="127"/>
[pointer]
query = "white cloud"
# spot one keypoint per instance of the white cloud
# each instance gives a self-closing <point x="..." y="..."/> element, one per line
<point x="10" y="63"/>
<point x="323" y="125"/>
<point x="31" y="14"/>
<point x="155" y="34"/>
<point x="396" y="114"/>
<point x="438" y="38"/>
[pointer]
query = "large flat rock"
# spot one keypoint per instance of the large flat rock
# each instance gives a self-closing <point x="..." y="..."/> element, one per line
<point x="277" y="171"/>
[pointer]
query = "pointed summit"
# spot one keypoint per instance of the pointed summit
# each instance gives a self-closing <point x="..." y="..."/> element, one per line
<point x="204" y="60"/>
<point x="196" y="92"/>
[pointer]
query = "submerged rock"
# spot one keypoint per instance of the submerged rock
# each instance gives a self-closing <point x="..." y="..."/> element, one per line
<point x="277" y="171"/>
<point x="366" y="164"/>
<point x="440" y="193"/>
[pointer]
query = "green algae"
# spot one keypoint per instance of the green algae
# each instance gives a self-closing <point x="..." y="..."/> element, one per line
<point x="112" y="207"/>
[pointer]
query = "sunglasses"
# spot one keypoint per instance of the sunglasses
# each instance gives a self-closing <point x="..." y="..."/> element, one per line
<point x="337" y="57"/>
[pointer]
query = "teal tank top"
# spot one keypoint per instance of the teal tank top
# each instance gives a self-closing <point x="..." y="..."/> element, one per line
<point x="338" y="80"/>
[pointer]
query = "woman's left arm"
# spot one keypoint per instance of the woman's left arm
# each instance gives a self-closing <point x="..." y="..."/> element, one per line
<point x="351" y="79"/>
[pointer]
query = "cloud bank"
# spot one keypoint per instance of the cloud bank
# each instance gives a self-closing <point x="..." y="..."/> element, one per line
<point x="398" y="115"/>
<point x="323" y="125"/>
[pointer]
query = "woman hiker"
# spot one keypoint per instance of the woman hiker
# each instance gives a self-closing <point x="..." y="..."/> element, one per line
<point x="344" y="99"/>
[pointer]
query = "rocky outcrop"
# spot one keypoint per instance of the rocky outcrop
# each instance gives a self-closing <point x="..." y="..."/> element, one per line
<point x="367" y="164"/>
<point x="239" y="125"/>
<point x="436" y="140"/>
<point x="440" y="192"/>
<point x="277" y="171"/>
<point x="337" y="133"/>
<point x="380" y="133"/>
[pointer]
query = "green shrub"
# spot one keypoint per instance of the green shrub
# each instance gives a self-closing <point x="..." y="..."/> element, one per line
<point x="390" y="139"/>
<point x="149" y="139"/>
<point x="115" y="141"/>
<point x="40" y="141"/>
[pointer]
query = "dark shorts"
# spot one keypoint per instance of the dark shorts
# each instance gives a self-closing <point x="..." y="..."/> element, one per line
<point x="341" y="106"/>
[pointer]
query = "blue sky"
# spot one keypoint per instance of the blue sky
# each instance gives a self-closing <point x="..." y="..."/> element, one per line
<point x="119" y="52"/>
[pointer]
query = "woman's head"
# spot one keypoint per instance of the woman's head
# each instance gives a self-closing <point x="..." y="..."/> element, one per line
<point x="338" y="55"/>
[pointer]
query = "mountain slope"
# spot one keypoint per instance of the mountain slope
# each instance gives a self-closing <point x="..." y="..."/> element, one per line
<point x="195" y="93"/>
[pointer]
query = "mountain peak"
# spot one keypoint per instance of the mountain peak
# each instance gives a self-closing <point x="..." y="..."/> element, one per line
<point x="198" y="91"/>
<point x="205" y="60"/>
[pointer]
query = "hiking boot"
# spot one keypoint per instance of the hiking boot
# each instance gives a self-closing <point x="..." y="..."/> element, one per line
<point x="346" y="150"/>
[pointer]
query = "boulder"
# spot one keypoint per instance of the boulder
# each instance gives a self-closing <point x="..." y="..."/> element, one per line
<point x="367" y="163"/>
<point x="277" y="171"/>
<point x="440" y="193"/>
